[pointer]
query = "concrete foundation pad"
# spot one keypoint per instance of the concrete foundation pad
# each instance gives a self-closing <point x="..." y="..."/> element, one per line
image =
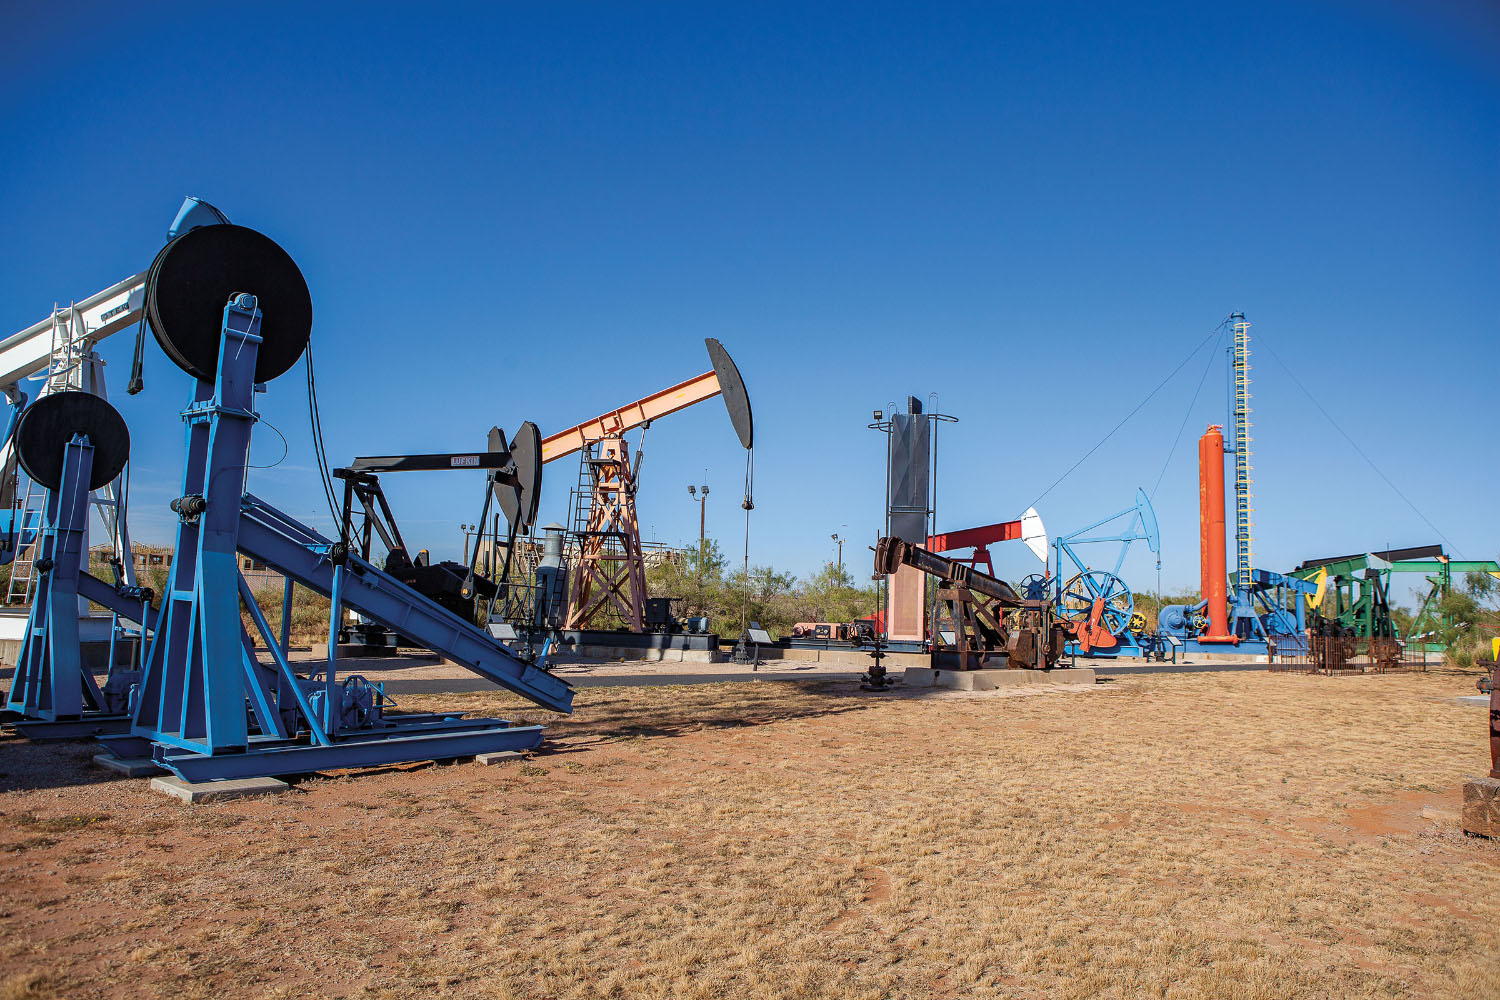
<point x="130" y="767"/>
<point x="1482" y="807"/>
<point x="990" y="680"/>
<point x="210" y="791"/>
<point x="498" y="758"/>
<point x="597" y="652"/>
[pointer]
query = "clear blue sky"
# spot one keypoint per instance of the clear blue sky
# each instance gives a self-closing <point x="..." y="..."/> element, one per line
<point x="1034" y="210"/>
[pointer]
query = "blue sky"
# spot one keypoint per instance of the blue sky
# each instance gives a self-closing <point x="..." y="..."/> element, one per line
<point x="1034" y="210"/>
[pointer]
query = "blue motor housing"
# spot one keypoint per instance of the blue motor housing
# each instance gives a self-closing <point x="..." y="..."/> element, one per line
<point x="1175" y="619"/>
<point x="359" y="702"/>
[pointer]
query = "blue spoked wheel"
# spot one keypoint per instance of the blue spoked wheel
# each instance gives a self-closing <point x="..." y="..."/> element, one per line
<point x="1080" y="593"/>
<point x="1034" y="588"/>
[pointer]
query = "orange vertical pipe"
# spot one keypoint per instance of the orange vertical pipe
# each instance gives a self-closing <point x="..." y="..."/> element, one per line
<point x="1211" y="534"/>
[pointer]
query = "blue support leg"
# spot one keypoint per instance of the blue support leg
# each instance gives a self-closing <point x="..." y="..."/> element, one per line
<point x="49" y="682"/>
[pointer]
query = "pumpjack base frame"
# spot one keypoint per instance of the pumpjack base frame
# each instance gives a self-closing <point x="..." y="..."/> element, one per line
<point x="1121" y="648"/>
<point x="266" y="758"/>
<point x="637" y="640"/>
<point x="86" y="727"/>
<point x="1245" y="647"/>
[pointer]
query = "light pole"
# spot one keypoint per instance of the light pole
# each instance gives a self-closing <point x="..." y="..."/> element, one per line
<point x="466" y="528"/>
<point x="840" y="541"/>
<point x="702" y="501"/>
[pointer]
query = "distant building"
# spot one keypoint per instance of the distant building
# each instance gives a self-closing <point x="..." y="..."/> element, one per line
<point x="159" y="557"/>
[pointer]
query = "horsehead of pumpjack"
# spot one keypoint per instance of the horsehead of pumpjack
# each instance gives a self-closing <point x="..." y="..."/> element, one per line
<point x="194" y="282"/>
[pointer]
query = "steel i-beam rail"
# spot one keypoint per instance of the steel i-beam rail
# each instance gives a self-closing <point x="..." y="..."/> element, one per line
<point x="269" y="536"/>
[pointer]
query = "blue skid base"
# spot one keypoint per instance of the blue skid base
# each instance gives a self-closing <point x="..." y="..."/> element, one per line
<point x="126" y="745"/>
<point x="1113" y="653"/>
<point x="1245" y="647"/>
<point x="277" y="757"/>
<point x="85" y="728"/>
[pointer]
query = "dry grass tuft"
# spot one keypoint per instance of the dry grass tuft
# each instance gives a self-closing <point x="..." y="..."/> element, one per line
<point x="27" y="986"/>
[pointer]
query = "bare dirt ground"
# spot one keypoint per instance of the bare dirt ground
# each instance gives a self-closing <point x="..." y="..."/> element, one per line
<point x="1235" y="834"/>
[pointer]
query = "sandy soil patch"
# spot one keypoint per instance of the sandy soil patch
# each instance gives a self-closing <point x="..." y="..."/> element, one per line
<point x="1242" y="834"/>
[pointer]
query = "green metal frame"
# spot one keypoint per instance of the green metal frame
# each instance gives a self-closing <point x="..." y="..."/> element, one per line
<point x="1429" y="618"/>
<point x="1359" y="587"/>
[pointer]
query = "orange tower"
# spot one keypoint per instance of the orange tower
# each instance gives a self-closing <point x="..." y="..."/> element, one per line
<point x="1215" y="579"/>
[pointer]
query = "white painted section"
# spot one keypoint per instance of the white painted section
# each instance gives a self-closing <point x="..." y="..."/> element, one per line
<point x="116" y="308"/>
<point x="1034" y="534"/>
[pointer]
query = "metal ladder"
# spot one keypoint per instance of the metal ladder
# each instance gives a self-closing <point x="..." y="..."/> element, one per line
<point x="581" y="500"/>
<point x="64" y="372"/>
<point x="22" y="570"/>
<point x="69" y="339"/>
<point x="1242" y="480"/>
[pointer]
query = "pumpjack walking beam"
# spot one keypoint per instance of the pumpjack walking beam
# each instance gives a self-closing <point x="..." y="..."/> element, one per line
<point x="207" y="706"/>
<point x="1028" y="529"/>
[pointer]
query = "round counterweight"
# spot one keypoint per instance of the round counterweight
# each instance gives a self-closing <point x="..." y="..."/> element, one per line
<point x="192" y="280"/>
<point x="52" y="421"/>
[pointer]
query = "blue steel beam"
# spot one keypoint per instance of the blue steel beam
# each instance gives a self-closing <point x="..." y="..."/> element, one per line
<point x="365" y="752"/>
<point x="290" y="547"/>
<point x="189" y="696"/>
<point x="134" y="609"/>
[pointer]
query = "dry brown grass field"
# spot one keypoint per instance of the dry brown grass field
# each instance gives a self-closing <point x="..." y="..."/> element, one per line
<point x="1212" y="835"/>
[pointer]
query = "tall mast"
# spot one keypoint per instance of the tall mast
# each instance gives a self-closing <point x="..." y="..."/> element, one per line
<point x="1239" y="443"/>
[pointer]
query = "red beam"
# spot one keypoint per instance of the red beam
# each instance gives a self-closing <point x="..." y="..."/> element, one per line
<point x="1005" y="531"/>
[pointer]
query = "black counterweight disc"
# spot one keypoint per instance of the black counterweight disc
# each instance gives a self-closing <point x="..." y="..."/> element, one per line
<point x="191" y="281"/>
<point x="50" y="423"/>
<point x="520" y="504"/>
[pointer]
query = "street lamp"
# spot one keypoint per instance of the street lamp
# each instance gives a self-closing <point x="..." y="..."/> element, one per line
<point x="840" y="541"/>
<point x="466" y="528"/>
<point x="702" y="502"/>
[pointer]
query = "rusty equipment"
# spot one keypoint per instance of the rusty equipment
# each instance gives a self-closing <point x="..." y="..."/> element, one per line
<point x="989" y="618"/>
<point x="1333" y="648"/>
<point x="1495" y="722"/>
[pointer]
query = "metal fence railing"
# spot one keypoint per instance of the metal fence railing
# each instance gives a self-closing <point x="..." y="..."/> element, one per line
<point x="1336" y="654"/>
